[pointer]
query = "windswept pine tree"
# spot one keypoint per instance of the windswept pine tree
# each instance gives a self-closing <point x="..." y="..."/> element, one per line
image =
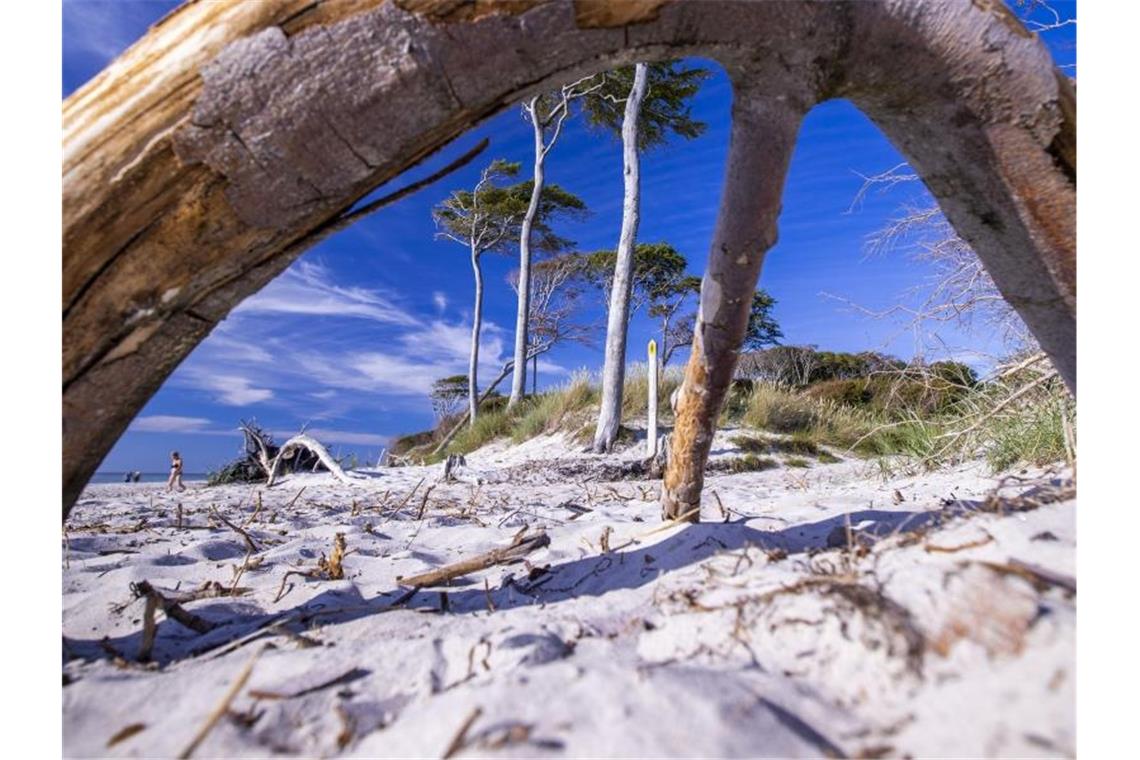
<point x="645" y="104"/>
<point x="487" y="219"/>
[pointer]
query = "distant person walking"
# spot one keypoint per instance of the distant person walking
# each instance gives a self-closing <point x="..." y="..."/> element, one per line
<point x="175" y="479"/>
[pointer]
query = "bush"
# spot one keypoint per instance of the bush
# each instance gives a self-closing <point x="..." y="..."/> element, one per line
<point x="771" y="408"/>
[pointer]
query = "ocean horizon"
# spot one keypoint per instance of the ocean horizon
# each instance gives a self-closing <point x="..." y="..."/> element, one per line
<point x="147" y="477"/>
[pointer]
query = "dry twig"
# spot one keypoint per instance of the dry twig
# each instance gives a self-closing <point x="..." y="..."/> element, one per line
<point x="222" y="707"/>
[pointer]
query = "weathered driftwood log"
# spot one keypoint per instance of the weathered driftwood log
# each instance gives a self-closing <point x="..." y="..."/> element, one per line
<point x="296" y="443"/>
<point x="521" y="546"/>
<point x="219" y="147"/>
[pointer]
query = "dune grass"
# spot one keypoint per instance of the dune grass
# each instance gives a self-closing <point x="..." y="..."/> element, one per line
<point x="978" y="422"/>
<point x="635" y="390"/>
<point x="981" y="421"/>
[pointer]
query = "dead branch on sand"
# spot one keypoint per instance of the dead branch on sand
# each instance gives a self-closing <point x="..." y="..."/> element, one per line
<point x="518" y="548"/>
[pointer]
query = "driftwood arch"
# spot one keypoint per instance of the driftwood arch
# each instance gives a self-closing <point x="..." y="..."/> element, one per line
<point x="203" y="161"/>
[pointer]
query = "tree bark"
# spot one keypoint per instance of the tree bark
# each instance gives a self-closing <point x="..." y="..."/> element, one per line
<point x="760" y="148"/>
<point x="617" y="327"/>
<point x="518" y="380"/>
<point x="476" y="327"/>
<point x="218" y="148"/>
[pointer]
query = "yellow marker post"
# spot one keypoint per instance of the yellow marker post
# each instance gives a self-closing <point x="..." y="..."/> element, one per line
<point x="651" y="434"/>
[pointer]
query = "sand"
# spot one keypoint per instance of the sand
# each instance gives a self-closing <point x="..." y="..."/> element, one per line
<point x="768" y="630"/>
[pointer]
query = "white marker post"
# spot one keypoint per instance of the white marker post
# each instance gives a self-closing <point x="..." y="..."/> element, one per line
<point x="651" y="436"/>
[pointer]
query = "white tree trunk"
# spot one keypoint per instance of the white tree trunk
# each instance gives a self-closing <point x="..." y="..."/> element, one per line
<point x="613" y="373"/>
<point x="476" y="326"/>
<point x="651" y="428"/>
<point x="518" y="381"/>
<point x="763" y="136"/>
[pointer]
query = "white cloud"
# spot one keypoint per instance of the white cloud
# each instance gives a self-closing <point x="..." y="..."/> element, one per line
<point x="168" y="423"/>
<point x="550" y="368"/>
<point x="329" y="436"/>
<point x="440" y="301"/>
<point x="308" y="289"/>
<point x="234" y="390"/>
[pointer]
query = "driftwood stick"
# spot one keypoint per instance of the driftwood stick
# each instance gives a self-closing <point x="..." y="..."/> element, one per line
<point x="294" y="499"/>
<point x="1037" y="575"/>
<point x="256" y="511"/>
<point x="221" y="708"/>
<point x="521" y="546"/>
<point x="149" y="629"/>
<point x="249" y="542"/>
<point x="424" y="502"/>
<point x="460" y="739"/>
<point x="173" y="610"/>
<point x="405" y="500"/>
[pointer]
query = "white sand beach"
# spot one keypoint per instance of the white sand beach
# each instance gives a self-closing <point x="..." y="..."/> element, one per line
<point x="941" y="624"/>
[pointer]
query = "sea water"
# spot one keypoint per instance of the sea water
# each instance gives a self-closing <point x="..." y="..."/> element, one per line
<point x="147" y="477"/>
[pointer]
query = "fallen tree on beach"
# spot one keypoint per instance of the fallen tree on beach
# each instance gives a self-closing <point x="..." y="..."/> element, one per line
<point x="263" y="460"/>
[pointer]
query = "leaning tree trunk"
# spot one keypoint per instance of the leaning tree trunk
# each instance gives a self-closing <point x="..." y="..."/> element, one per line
<point x="763" y="136"/>
<point x="229" y="139"/>
<point x="476" y="326"/>
<point x="518" y="380"/>
<point x="617" y="327"/>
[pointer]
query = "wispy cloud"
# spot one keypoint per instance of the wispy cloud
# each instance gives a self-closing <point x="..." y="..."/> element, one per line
<point x="230" y="389"/>
<point x="440" y="301"/>
<point x="308" y="289"/>
<point x="329" y="436"/>
<point x="168" y="423"/>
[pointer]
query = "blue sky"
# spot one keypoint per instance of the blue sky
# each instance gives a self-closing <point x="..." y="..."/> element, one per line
<point x="349" y="339"/>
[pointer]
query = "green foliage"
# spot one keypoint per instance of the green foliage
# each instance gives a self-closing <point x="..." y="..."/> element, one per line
<point x="657" y="267"/>
<point x="797" y="462"/>
<point x="762" y="327"/>
<point x="893" y="395"/>
<point x="1037" y="436"/>
<point x="665" y="109"/>
<point x="489" y="218"/>
<point x="840" y="365"/>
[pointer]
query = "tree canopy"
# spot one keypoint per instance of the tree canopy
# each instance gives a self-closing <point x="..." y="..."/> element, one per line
<point x="489" y="218"/>
<point x="664" y="110"/>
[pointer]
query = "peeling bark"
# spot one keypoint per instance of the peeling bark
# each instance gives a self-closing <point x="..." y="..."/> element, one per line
<point x="209" y="156"/>
<point x="760" y="149"/>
